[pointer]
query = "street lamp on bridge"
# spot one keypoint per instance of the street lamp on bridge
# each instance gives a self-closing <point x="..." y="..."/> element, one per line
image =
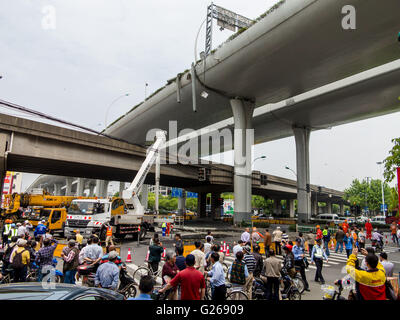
<point x="287" y="168"/>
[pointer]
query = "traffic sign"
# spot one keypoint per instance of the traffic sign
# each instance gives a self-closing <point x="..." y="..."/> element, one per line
<point x="385" y="207"/>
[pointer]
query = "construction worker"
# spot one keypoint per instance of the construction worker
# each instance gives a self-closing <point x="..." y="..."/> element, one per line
<point x="393" y="229"/>
<point x="319" y="233"/>
<point x="13" y="231"/>
<point x="326" y="235"/>
<point x="345" y="226"/>
<point x="108" y="234"/>
<point x="368" y="229"/>
<point x="6" y="231"/>
<point x="164" y="228"/>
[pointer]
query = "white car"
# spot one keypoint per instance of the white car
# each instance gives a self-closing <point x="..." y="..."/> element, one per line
<point x="362" y="219"/>
<point x="379" y="220"/>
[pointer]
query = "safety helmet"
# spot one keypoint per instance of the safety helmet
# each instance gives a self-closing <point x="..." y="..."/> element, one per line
<point x="12" y="225"/>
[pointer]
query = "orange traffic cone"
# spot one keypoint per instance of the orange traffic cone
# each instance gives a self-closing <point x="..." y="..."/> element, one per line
<point x="129" y="257"/>
<point x="332" y="245"/>
<point x="224" y="247"/>
<point x="227" y="252"/>
<point x="147" y="255"/>
<point x="163" y="255"/>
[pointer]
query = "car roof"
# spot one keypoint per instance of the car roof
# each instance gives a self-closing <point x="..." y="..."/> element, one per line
<point x="53" y="291"/>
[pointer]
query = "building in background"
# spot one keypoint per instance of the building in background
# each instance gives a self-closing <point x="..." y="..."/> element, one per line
<point x="12" y="184"/>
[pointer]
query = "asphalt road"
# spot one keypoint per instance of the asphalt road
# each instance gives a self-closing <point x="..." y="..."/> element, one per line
<point x="332" y="270"/>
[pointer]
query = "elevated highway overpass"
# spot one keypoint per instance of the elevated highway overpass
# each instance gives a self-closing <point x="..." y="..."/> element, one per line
<point x="34" y="147"/>
<point x="296" y="49"/>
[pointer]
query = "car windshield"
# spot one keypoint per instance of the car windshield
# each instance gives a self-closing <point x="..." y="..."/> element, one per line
<point x="80" y="207"/>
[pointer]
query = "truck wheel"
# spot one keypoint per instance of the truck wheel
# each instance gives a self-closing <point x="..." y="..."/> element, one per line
<point x="120" y="236"/>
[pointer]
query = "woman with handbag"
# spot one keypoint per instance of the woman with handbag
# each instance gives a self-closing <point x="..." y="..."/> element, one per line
<point x="299" y="257"/>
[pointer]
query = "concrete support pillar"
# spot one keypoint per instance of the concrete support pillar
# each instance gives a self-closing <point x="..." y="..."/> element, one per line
<point x="121" y="188"/>
<point x="341" y="209"/>
<point x="68" y="190"/>
<point x="243" y="141"/>
<point x="91" y="190"/>
<point x="302" y="138"/>
<point x="80" y="187"/>
<point x="277" y="207"/>
<point x="182" y="203"/>
<point x="99" y="188"/>
<point x="105" y="189"/>
<point x="201" y="204"/>
<point x="314" y="207"/>
<point x="145" y="196"/>
<point x="215" y="210"/>
<point x="329" y="206"/>
<point x="57" y="189"/>
<point x="290" y="205"/>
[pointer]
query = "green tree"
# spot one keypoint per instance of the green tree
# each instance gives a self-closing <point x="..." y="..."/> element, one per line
<point x="363" y="194"/>
<point x="392" y="162"/>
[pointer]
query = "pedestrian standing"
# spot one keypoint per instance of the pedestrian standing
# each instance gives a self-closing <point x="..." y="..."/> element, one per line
<point x="70" y="257"/>
<point x="217" y="279"/>
<point x="180" y="259"/>
<point x="259" y="261"/>
<point x="199" y="257"/>
<point x="250" y="262"/>
<point x="326" y="236"/>
<point x="107" y="274"/>
<point x="191" y="281"/>
<point x="310" y="241"/>
<point x="317" y="256"/>
<point x="267" y="242"/>
<point x="44" y="257"/>
<point x="109" y="234"/>
<point x="209" y="235"/>
<point x="78" y="237"/>
<point x="361" y="238"/>
<point x="303" y="240"/>
<point x="6" y="236"/>
<point x="387" y="265"/>
<point x="238" y="272"/>
<point x="339" y="237"/>
<point x="245" y="237"/>
<point x="393" y="229"/>
<point x="207" y="245"/>
<point x="155" y="252"/>
<point x="277" y="234"/>
<point x="256" y="236"/>
<point x="178" y="241"/>
<point x="273" y="268"/>
<point x="169" y="271"/>
<point x="345" y="226"/>
<point x="285" y="237"/>
<point x="318" y="233"/>
<point x="348" y="241"/>
<point x="299" y="256"/>
<point x="20" y="260"/>
<point x="368" y="229"/>
<point x="238" y="247"/>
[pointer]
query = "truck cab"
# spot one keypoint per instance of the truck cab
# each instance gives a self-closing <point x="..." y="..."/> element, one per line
<point x="54" y="217"/>
<point x="90" y="215"/>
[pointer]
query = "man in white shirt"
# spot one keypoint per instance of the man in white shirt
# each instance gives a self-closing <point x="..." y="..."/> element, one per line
<point x="199" y="257"/>
<point x="246" y="236"/>
<point x="21" y="229"/>
<point x="207" y="245"/>
<point x="387" y="265"/>
<point x="238" y="247"/>
<point x="277" y="234"/>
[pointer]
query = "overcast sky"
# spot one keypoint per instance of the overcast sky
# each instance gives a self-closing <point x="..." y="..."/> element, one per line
<point x="102" y="49"/>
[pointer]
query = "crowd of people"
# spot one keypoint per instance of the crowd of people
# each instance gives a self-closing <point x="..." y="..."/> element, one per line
<point x="23" y="252"/>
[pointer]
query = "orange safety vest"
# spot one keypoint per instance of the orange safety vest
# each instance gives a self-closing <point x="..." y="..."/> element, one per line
<point x="109" y="231"/>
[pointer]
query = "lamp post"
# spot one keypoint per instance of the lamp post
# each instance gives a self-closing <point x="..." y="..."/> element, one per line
<point x="111" y="104"/>
<point x="258" y="158"/>
<point x="287" y="168"/>
<point x="383" y="194"/>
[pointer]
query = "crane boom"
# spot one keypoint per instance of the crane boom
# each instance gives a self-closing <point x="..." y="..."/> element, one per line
<point x="132" y="192"/>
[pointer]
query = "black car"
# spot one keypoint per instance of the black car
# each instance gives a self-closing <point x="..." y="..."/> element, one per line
<point x="57" y="291"/>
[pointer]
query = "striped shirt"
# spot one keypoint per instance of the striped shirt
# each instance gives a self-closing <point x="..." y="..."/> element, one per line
<point x="250" y="262"/>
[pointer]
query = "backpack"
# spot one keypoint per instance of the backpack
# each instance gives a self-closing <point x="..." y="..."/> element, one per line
<point x="17" y="260"/>
<point x="7" y="254"/>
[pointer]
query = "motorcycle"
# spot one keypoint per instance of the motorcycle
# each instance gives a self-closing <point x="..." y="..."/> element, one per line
<point x="88" y="273"/>
<point x="127" y="283"/>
